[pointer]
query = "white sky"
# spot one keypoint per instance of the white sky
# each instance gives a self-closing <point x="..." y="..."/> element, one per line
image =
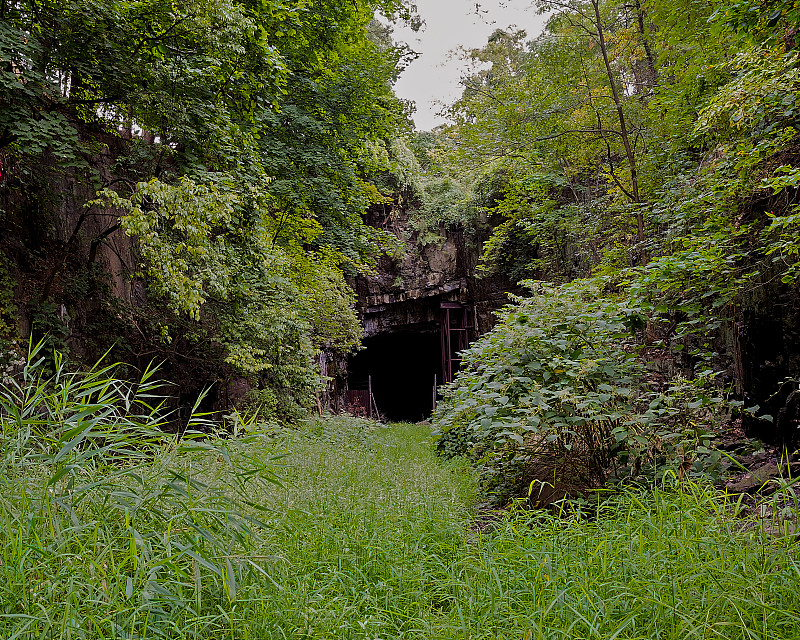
<point x="433" y="79"/>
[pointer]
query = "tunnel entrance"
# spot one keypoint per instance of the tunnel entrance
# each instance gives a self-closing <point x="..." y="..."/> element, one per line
<point x="402" y="366"/>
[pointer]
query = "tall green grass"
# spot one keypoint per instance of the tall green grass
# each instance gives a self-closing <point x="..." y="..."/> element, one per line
<point x="365" y="533"/>
<point x="109" y="527"/>
<point x="662" y="564"/>
<point x="343" y="529"/>
<point x="378" y="542"/>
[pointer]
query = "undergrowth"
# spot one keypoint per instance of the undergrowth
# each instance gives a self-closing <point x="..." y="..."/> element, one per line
<point x="109" y="527"/>
<point x="666" y="564"/>
<point x="344" y="528"/>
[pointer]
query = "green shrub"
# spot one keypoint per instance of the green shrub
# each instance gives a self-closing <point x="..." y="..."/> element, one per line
<point x="550" y="387"/>
<point x="555" y="398"/>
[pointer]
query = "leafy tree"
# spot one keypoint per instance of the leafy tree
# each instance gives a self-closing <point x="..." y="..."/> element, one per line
<point x="163" y="67"/>
<point x="653" y="145"/>
<point x="555" y="393"/>
<point x="772" y="22"/>
<point x="235" y="140"/>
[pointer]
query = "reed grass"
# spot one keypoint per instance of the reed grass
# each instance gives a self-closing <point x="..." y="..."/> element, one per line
<point x="343" y="529"/>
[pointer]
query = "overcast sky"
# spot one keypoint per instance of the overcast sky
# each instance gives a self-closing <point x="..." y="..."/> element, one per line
<point x="433" y="79"/>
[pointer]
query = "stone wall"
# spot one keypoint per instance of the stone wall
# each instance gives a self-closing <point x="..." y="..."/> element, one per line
<point x="49" y="237"/>
<point x="406" y="292"/>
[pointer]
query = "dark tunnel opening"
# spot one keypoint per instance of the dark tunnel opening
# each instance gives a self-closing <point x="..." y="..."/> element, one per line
<point x="402" y="366"/>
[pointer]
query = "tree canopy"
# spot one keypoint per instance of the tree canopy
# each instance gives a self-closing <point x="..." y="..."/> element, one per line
<point x="235" y="141"/>
<point x="642" y="156"/>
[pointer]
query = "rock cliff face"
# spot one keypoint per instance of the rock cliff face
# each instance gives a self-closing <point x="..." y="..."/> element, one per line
<point x="73" y="273"/>
<point x="418" y="311"/>
<point x="763" y="350"/>
<point x="49" y="238"/>
<point x="408" y="291"/>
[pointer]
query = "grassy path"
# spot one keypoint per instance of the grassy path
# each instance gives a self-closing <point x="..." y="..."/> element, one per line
<point x="377" y="545"/>
<point x="369" y="538"/>
<point x="368" y="528"/>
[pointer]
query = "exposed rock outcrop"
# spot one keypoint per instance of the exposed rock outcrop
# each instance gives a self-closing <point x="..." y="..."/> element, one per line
<point x="418" y="312"/>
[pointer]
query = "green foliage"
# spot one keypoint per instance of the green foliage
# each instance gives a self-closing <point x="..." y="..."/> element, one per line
<point x="160" y="529"/>
<point x="178" y="230"/>
<point x="672" y="563"/>
<point x="761" y="98"/>
<point x="328" y="304"/>
<point x="156" y="64"/>
<point x="234" y="264"/>
<point x="49" y="324"/>
<point x="237" y="143"/>
<point x="364" y="533"/>
<point x="652" y="146"/>
<point x="782" y="236"/>
<point x="430" y="186"/>
<point x="446" y="204"/>
<point x="702" y="274"/>
<point x="770" y="21"/>
<point x="547" y="108"/>
<point x="551" y="384"/>
<point x="9" y="334"/>
<point x="557" y="393"/>
<point x="786" y="246"/>
<point x="537" y="235"/>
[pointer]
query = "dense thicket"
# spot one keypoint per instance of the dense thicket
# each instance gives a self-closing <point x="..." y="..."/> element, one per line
<point x="650" y="147"/>
<point x="232" y="142"/>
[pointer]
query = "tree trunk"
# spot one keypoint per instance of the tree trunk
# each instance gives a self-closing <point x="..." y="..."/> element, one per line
<point x="623" y="127"/>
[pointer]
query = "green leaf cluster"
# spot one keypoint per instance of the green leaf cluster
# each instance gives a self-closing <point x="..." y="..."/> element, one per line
<point x="271" y="306"/>
<point x="238" y="143"/>
<point x="551" y="382"/>
<point x="652" y="146"/>
<point x="557" y="392"/>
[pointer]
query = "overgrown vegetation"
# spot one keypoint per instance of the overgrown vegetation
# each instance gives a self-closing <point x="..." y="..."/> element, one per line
<point x="643" y="158"/>
<point x="111" y="527"/>
<point x="186" y="181"/>
<point x="211" y="162"/>
<point x="343" y="528"/>
<point x="557" y="397"/>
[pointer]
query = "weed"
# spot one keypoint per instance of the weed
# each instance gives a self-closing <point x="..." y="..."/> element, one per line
<point x="343" y="528"/>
